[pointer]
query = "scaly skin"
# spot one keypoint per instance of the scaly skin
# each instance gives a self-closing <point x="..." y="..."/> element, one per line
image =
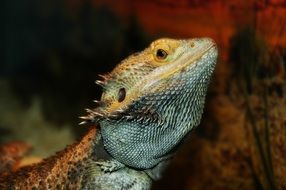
<point x="149" y="103"/>
<point x="164" y="100"/>
<point x="75" y="168"/>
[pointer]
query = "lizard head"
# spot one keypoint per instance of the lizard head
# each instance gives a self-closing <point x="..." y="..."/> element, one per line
<point x="152" y="99"/>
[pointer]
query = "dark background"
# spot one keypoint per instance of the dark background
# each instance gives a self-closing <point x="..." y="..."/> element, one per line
<point x="53" y="51"/>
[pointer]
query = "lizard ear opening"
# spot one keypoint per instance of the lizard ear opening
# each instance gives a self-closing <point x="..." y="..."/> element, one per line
<point x="121" y="94"/>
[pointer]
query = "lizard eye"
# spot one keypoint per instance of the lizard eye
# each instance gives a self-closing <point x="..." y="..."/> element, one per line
<point x="161" y="54"/>
<point x="121" y="94"/>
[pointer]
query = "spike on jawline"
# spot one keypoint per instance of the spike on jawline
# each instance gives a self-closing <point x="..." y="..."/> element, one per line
<point x="98" y="102"/>
<point x="113" y="116"/>
<point x="93" y="112"/>
<point x="82" y="123"/>
<point x="100" y="83"/>
<point x="104" y="77"/>
<point x="86" y="117"/>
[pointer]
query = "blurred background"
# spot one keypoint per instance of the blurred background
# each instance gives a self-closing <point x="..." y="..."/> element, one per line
<point x="55" y="49"/>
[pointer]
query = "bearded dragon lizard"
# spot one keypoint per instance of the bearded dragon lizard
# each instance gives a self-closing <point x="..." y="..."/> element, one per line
<point x="150" y="102"/>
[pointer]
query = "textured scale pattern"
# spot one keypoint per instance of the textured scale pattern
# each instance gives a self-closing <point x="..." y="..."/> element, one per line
<point x="164" y="100"/>
<point x="74" y="168"/>
<point x="150" y="101"/>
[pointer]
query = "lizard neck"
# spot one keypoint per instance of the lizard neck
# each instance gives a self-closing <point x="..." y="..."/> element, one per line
<point x="145" y="145"/>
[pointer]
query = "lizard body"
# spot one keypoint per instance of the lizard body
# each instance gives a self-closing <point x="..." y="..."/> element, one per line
<point x="75" y="168"/>
<point x="150" y="101"/>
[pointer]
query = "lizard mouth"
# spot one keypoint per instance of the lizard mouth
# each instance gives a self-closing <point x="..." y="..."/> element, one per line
<point x="141" y="116"/>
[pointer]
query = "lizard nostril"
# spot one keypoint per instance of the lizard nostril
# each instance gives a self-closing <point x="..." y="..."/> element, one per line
<point x="121" y="94"/>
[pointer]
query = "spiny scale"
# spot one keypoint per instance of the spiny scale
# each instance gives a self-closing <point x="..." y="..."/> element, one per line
<point x="104" y="77"/>
<point x="82" y="123"/>
<point x="100" y="83"/>
<point x="98" y="102"/>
